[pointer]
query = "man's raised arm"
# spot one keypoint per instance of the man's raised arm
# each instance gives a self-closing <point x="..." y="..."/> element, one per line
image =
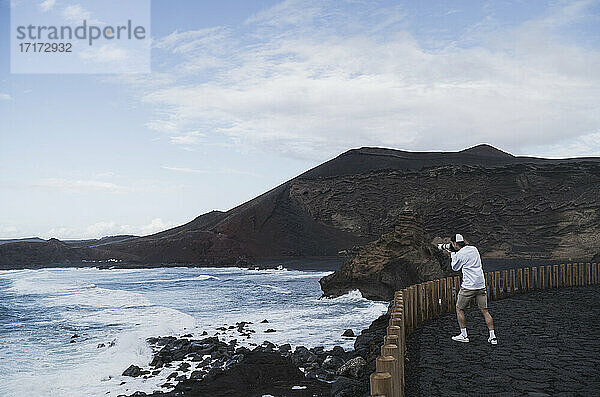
<point x="456" y="261"/>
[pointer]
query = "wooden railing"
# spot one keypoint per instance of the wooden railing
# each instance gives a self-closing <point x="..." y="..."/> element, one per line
<point x="421" y="302"/>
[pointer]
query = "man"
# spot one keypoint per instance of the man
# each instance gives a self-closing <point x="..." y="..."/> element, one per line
<point x="466" y="257"/>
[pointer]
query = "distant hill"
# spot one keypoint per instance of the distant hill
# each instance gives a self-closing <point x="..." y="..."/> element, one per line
<point x="99" y="242"/>
<point x="23" y="240"/>
<point x="51" y="252"/>
<point x="509" y="206"/>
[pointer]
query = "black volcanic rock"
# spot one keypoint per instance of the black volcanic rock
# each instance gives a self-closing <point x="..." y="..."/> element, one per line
<point x="396" y="260"/>
<point x="134" y="371"/>
<point x="348" y="333"/>
<point x="256" y="373"/>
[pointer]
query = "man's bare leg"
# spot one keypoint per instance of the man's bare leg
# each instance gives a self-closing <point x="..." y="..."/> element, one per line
<point x="460" y="316"/>
<point x="489" y="321"/>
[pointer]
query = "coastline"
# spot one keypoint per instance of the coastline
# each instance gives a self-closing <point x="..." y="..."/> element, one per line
<point x="309" y="263"/>
<point x="209" y="366"/>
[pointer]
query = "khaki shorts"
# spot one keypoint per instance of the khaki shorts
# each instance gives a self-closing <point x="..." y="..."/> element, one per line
<point x="465" y="296"/>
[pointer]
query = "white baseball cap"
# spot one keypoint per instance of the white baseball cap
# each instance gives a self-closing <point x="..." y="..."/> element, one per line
<point x="459" y="238"/>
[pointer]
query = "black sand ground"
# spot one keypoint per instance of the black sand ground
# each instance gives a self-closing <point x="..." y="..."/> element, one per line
<point x="549" y="345"/>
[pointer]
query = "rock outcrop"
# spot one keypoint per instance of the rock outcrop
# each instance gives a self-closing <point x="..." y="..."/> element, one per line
<point x="396" y="260"/>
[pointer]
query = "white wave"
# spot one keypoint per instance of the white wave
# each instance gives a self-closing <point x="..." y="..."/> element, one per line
<point x="349" y="297"/>
<point x="83" y="369"/>
<point x="201" y="277"/>
<point x="97" y="297"/>
<point x="277" y="289"/>
<point x="307" y="274"/>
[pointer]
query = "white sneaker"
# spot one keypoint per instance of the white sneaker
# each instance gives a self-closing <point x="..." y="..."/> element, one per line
<point x="493" y="341"/>
<point x="460" y="338"/>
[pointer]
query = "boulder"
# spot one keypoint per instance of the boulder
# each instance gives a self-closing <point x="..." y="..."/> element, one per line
<point x="134" y="371"/>
<point x="352" y="367"/>
<point x="338" y="351"/>
<point x="400" y="258"/>
<point x="332" y="363"/>
<point x="347" y="387"/>
<point x="349" y="333"/>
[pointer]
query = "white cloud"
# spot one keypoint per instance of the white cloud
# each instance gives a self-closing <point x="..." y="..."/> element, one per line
<point x="100" y="186"/>
<point x="311" y="79"/>
<point x="79" y="186"/>
<point x="184" y="169"/>
<point x="105" y="53"/>
<point x="583" y="146"/>
<point x="224" y="171"/>
<point x="76" y="14"/>
<point x="8" y="231"/>
<point x="110" y="228"/>
<point x="47" y="5"/>
<point x="5" y="97"/>
<point x="189" y="138"/>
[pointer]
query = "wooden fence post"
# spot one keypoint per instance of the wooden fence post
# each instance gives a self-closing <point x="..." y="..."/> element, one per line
<point x="408" y="308"/>
<point x="569" y="275"/>
<point x="443" y="296"/>
<point x="505" y="283"/>
<point x="562" y="275"/>
<point x="534" y="278"/>
<point x="581" y="271"/>
<point x="449" y="294"/>
<point x="414" y="308"/>
<point x="520" y="280"/>
<point x="526" y="279"/>
<point x="497" y="285"/>
<point x="595" y="271"/>
<point x="421" y="303"/>
<point x="436" y="296"/>
<point x="589" y="273"/>
<point x="428" y="300"/>
<point x="512" y="281"/>
<point x="427" y="305"/>
<point x="549" y="276"/>
<point x="542" y="279"/>
<point x="555" y="274"/>
<point x="430" y="285"/>
<point x="388" y="362"/>
<point x="381" y="384"/>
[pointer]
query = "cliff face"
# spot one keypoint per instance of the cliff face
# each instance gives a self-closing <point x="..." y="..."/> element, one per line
<point x="508" y="206"/>
<point x="532" y="211"/>
<point x="396" y="260"/>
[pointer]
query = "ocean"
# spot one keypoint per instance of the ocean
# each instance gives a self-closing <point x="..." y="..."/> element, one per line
<point x="108" y="314"/>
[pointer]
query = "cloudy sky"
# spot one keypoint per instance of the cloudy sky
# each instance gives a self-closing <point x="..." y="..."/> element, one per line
<point x="244" y="95"/>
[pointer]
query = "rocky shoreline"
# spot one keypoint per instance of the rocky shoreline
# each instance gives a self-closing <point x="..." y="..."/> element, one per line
<point x="210" y="366"/>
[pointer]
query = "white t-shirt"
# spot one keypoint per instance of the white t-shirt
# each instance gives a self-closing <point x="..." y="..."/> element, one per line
<point x="469" y="260"/>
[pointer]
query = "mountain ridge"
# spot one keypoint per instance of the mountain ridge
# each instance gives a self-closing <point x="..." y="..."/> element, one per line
<point x="547" y="205"/>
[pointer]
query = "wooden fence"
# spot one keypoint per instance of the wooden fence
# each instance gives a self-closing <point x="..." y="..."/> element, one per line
<point x="421" y="302"/>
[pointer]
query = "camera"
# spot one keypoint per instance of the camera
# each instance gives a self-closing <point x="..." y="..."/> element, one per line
<point x="447" y="246"/>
